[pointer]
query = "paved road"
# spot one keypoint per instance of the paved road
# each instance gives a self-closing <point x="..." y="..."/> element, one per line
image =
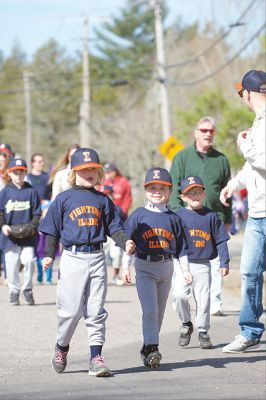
<point x="27" y="341"/>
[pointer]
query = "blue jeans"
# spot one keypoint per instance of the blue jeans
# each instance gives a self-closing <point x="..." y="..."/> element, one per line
<point x="48" y="272"/>
<point x="253" y="264"/>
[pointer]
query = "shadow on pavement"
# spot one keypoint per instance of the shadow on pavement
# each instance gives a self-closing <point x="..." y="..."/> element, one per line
<point x="211" y="362"/>
<point x="117" y="301"/>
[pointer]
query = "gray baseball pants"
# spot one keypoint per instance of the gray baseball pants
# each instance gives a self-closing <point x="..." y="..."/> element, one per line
<point x="199" y="288"/>
<point x="81" y="292"/>
<point x="216" y="286"/>
<point x="13" y="257"/>
<point x="153" y="282"/>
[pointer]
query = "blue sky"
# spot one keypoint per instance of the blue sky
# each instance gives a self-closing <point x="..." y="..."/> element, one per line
<point x="33" y="22"/>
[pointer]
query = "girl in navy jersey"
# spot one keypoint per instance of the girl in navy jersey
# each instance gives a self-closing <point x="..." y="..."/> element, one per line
<point x="159" y="236"/>
<point x="82" y="218"/>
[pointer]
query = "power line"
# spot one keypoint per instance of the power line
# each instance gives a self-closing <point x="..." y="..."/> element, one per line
<point x="223" y="65"/>
<point x="221" y="38"/>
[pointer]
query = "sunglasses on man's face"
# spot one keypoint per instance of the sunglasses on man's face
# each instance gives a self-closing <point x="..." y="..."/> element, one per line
<point x="240" y="92"/>
<point x="203" y="130"/>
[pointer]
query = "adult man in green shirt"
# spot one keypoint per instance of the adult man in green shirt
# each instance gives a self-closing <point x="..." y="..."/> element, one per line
<point x="202" y="160"/>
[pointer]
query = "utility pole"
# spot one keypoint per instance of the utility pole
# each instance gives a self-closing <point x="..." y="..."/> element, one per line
<point x="27" y="98"/>
<point x="84" y="124"/>
<point x="164" y="103"/>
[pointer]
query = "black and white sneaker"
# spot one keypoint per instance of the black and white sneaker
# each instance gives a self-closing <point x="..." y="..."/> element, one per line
<point x="14" y="299"/>
<point x="151" y="356"/>
<point x="204" y="340"/>
<point x="185" y="334"/>
<point x="28" y="297"/>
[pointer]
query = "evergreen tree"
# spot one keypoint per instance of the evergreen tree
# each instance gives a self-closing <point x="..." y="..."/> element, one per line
<point x="12" y="113"/>
<point x="127" y="44"/>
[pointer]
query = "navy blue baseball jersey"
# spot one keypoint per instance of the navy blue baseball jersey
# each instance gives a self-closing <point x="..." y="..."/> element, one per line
<point x="208" y="234"/>
<point x="157" y="233"/>
<point x="18" y="206"/>
<point x="80" y="216"/>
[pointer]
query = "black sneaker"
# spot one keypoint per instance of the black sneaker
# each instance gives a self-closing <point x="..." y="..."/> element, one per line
<point x="14" y="299"/>
<point x="150" y="356"/>
<point x="59" y="360"/>
<point x="185" y="334"/>
<point x="204" y="340"/>
<point x="28" y="297"/>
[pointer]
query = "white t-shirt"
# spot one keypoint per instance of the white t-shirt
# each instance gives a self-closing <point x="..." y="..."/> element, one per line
<point x="60" y="182"/>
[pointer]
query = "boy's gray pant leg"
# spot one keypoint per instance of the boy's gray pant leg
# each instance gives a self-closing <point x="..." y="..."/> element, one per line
<point x="12" y="260"/>
<point x="201" y="287"/>
<point x="27" y="258"/>
<point x="182" y="292"/>
<point x="13" y="257"/>
<point x="153" y="282"/>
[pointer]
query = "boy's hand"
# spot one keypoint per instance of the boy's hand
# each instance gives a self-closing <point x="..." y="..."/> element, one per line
<point x="6" y="230"/>
<point x="126" y="276"/>
<point x="47" y="262"/>
<point x="224" y="271"/>
<point x="130" y="247"/>
<point x="187" y="276"/>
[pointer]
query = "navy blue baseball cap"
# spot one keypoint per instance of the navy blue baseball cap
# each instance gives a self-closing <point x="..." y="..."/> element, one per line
<point x="85" y="158"/>
<point x="5" y="148"/>
<point x="158" y="175"/>
<point x="110" y="167"/>
<point x="253" y="81"/>
<point x="17" y="163"/>
<point x="190" y="182"/>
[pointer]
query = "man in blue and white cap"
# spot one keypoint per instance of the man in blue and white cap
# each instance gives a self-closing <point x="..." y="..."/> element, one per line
<point x="252" y="177"/>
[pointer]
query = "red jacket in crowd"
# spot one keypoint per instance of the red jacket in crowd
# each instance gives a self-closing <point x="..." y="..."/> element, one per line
<point x="122" y="195"/>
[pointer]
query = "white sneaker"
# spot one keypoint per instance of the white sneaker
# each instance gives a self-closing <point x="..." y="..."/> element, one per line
<point x="117" y="281"/>
<point x="241" y="344"/>
<point x="218" y="313"/>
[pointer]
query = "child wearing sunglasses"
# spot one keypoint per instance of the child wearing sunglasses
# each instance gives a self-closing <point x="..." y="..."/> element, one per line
<point x="209" y="238"/>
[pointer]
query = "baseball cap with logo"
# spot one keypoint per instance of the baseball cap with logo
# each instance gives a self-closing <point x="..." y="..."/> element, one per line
<point x="85" y="158"/>
<point x="253" y="81"/>
<point x="17" y="163"/>
<point x="5" y="148"/>
<point x="158" y="175"/>
<point x="190" y="182"/>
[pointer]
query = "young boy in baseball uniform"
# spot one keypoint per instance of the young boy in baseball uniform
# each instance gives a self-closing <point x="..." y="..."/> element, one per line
<point x="20" y="212"/>
<point x="159" y="236"/>
<point x="209" y="238"/>
<point x="82" y="218"/>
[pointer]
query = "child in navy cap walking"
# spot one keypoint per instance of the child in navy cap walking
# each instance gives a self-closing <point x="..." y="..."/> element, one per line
<point x="20" y="212"/>
<point x="82" y="218"/>
<point x="209" y="239"/>
<point x="159" y="236"/>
